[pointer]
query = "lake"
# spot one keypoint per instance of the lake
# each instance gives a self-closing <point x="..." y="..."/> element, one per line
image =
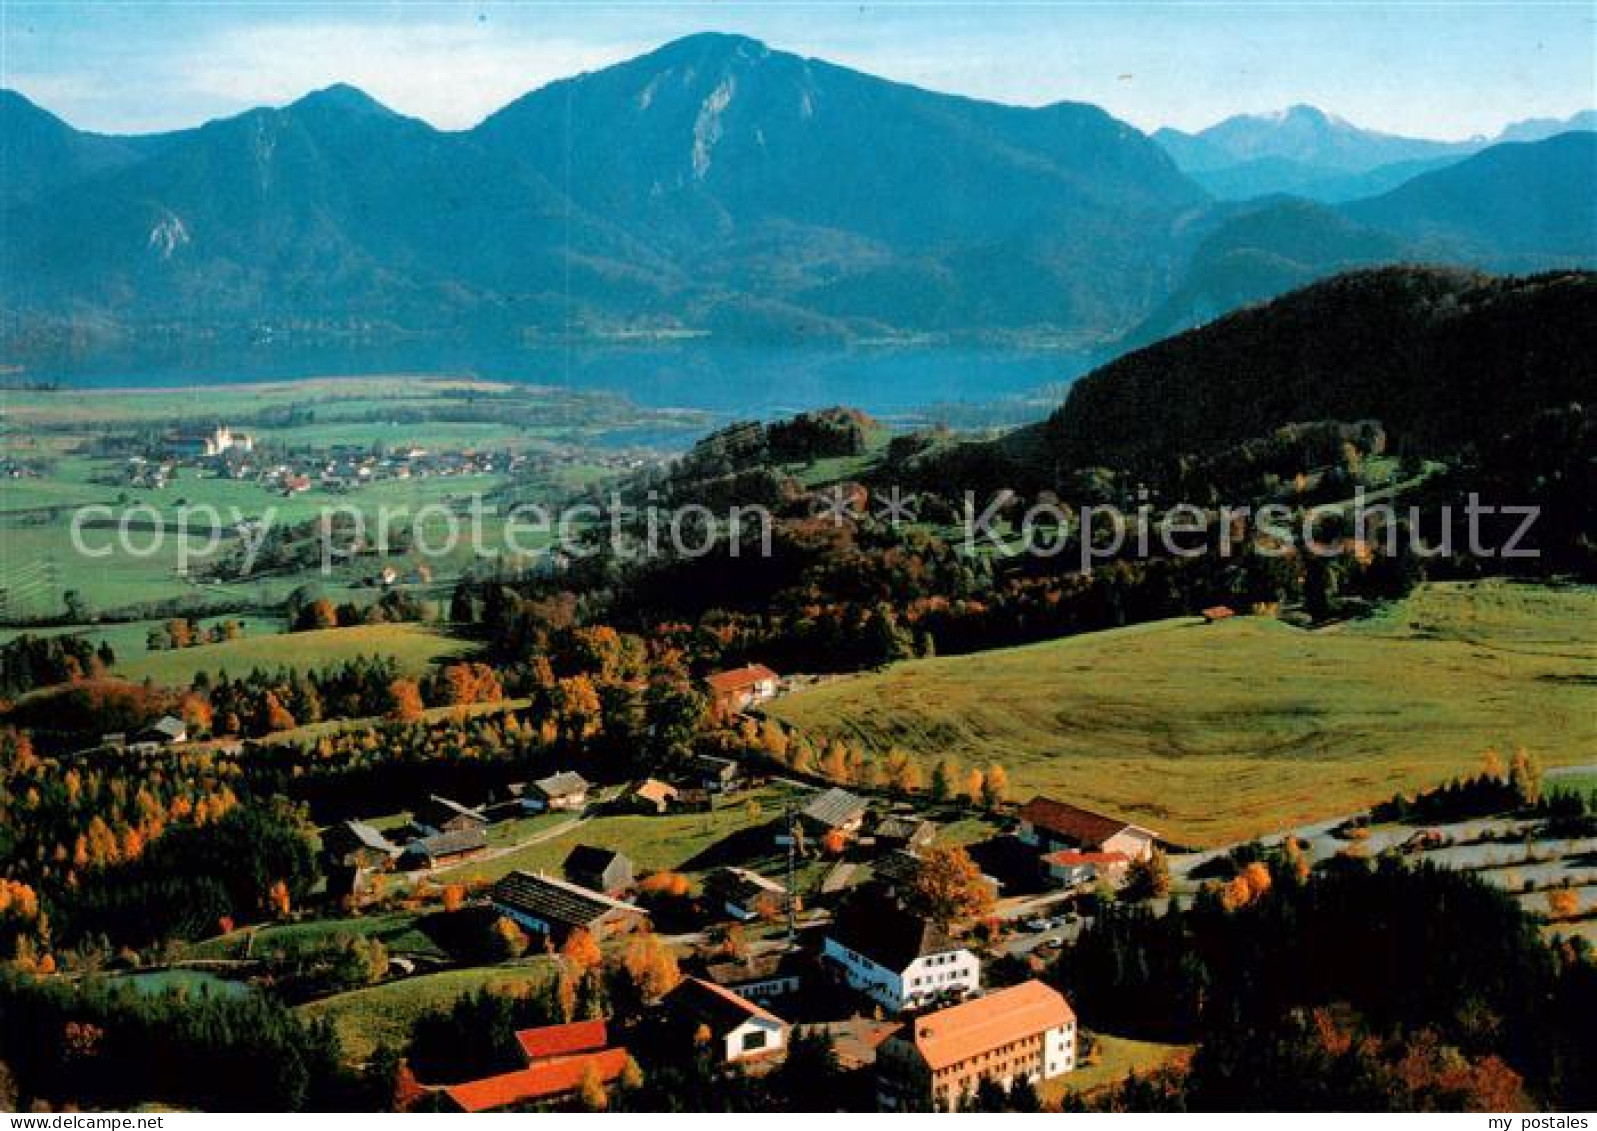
<point x="730" y="380"/>
<point x="188" y="981"/>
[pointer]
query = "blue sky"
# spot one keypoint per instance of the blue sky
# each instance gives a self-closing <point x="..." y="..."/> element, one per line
<point x="1438" y="69"/>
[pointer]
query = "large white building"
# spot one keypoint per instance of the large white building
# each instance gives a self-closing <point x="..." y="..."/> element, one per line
<point x="897" y="959"/>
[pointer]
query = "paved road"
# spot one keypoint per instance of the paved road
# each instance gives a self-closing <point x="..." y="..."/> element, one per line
<point x="506" y="849"/>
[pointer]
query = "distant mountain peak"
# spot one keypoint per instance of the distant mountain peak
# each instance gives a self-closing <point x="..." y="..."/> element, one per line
<point x="728" y="43"/>
<point x="1303" y="112"/>
<point x="342" y="98"/>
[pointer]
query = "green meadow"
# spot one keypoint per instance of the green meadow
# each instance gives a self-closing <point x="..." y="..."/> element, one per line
<point x="387" y="1013"/>
<point x="1215" y="732"/>
<point x="55" y="434"/>
<point x="415" y="647"/>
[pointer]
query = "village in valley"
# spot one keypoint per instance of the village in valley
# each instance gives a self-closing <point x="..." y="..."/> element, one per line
<point x="883" y="955"/>
<point x="910" y="940"/>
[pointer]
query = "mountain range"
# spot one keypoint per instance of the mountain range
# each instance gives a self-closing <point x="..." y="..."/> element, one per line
<point x="1517" y="207"/>
<point x="1304" y="151"/>
<point x="713" y="185"/>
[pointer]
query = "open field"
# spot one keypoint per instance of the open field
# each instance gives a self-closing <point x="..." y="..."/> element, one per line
<point x="396" y="929"/>
<point x="1214" y="733"/>
<point x="573" y="439"/>
<point x="676" y="841"/>
<point x="414" y="646"/>
<point x="1117" y="1058"/>
<point x="129" y="639"/>
<point x="387" y="1012"/>
<point x="1582" y="781"/>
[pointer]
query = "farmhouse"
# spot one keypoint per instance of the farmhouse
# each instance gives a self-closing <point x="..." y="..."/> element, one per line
<point x="909" y="834"/>
<point x="1050" y="826"/>
<point x="742" y="688"/>
<point x="559" y="1058"/>
<point x="741" y="1031"/>
<point x="598" y="869"/>
<point x="1072" y="868"/>
<point x="168" y="730"/>
<point x="897" y="959"/>
<point x="834" y="810"/>
<point x="1023" y="1032"/>
<point x="555" y="908"/>
<point x="654" y="796"/>
<point x="718" y="775"/>
<point x="564" y="790"/>
<point x="763" y="978"/>
<point x="358" y="845"/>
<point x="743" y="894"/>
<point x="443" y="815"/>
<point x="444" y="848"/>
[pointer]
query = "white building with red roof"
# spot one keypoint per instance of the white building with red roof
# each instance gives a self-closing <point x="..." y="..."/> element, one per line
<point x="742" y="688"/>
<point x="1053" y="826"/>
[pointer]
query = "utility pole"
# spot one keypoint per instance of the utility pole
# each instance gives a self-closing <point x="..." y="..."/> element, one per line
<point x="792" y="855"/>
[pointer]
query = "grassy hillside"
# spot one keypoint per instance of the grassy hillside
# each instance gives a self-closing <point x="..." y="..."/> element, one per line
<point x="1211" y="733"/>
<point x="414" y="646"/>
<point x="388" y="1012"/>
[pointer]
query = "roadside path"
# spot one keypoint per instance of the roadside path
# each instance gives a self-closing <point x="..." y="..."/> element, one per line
<point x="506" y="849"/>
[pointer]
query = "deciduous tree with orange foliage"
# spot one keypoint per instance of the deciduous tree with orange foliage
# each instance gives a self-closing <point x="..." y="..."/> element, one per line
<point x="651" y="966"/>
<point x="949" y="888"/>
<point x="581" y="952"/>
<point x="406" y="699"/>
<point x="1563" y="903"/>
<point x="1246" y="887"/>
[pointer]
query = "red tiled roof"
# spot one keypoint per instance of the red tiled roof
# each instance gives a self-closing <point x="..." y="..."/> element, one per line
<point x="1068" y="858"/>
<point x="1071" y="822"/>
<point x="562" y="1040"/>
<point x="540" y="1082"/>
<point x="954" y="1035"/>
<point x="739" y="678"/>
<point x="1218" y="612"/>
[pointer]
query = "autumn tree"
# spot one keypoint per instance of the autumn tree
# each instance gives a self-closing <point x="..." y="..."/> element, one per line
<point x="320" y="613"/>
<point x="277" y="899"/>
<point x="1563" y="903"/>
<point x="650" y="967"/>
<point x="405" y="700"/>
<point x="995" y="787"/>
<point x="1247" y="887"/>
<point x="1525" y="777"/>
<point x="949" y="887"/>
<point x="505" y="939"/>
<point x="275" y="716"/>
<point x="592" y="1093"/>
<point x="1149" y="876"/>
<point x="581" y="951"/>
<point x="835" y="764"/>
